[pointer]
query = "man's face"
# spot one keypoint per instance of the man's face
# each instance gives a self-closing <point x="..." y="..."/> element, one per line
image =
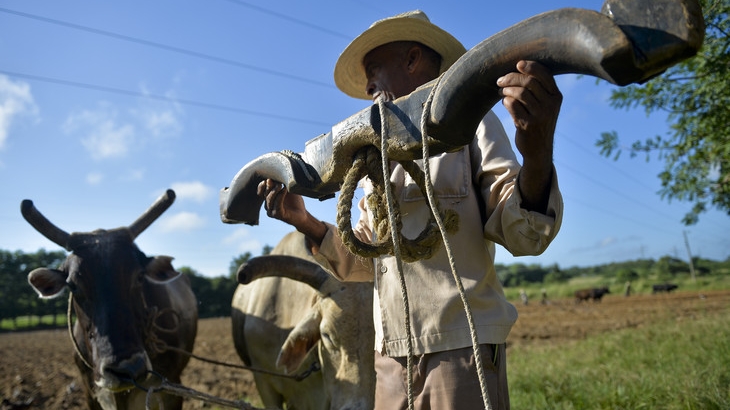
<point x="386" y="68"/>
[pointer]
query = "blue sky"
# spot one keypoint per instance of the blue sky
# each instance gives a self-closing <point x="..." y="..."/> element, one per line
<point x="104" y="105"/>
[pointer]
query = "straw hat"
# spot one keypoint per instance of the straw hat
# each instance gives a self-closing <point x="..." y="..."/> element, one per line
<point x="410" y="26"/>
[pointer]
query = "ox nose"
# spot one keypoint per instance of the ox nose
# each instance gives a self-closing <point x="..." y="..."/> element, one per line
<point x="121" y="374"/>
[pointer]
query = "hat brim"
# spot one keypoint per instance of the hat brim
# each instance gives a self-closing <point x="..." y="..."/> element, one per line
<point x="349" y="71"/>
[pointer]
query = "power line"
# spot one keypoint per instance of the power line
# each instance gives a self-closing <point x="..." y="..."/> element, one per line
<point x="161" y="98"/>
<point x="592" y="207"/>
<point x="583" y="175"/>
<point x="617" y="169"/>
<point x="289" y="18"/>
<point x="166" y="47"/>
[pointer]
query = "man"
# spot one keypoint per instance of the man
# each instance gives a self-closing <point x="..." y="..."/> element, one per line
<point x="497" y="200"/>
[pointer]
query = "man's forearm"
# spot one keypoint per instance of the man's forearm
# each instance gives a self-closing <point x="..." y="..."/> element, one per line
<point x="534" y="183"/>
<point x="314" y="229"/>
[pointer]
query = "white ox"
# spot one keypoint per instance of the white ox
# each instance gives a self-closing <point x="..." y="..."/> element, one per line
<point x="293" y="314"/>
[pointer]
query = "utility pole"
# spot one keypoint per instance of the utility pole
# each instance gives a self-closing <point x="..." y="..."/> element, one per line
<point x="689" y="253"/>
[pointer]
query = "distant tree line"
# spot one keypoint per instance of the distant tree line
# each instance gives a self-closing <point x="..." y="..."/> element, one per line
<point x="663" y="269"/>
<point x="214" y="294"/>
<point x="17" y="297"/>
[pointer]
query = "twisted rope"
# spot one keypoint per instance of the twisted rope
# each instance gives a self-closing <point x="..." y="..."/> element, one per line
<point x="69" y="325"/>
<point x="423" y="246"/>
<point x="186" y="392"/>
<point x="452" y="263"/>
<point x="395" y="226"/>
<point x="368" y="162"/>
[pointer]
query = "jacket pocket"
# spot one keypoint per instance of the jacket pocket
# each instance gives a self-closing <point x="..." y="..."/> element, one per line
<point x="450" y="174"/>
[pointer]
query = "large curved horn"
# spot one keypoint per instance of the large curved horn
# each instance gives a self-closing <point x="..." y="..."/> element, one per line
<point x="43" y="225"/>
<point x="628" y="41"/>
<point x="152" y="213"/>
<point x="286" y="167"/>
<point x="282" y="266"/>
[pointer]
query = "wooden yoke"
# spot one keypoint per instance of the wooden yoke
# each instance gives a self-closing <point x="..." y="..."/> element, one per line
<point x="629" y="41"/>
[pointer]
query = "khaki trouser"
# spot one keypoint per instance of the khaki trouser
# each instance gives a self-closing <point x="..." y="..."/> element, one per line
<point x="443" y="380"/>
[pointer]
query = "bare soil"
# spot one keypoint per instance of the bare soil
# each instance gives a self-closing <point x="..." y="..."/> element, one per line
<point x="37" y="369"/>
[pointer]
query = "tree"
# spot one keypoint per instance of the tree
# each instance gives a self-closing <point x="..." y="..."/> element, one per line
<point x="236" y="263"/>
<point x="243" y="258"/>
<point x="626" y="275"/>
<point x="17" y="297"/>
<point x="696" y="95"/>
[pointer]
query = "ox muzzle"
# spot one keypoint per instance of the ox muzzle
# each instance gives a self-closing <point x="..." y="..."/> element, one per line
<point x="119" y="375"/>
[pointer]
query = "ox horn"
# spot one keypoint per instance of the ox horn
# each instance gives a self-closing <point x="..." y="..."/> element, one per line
<point x="43" y="225"/>
<point x="152" y="213"/>
<point x="628" y="41"/>
<point x="283" y="266"/>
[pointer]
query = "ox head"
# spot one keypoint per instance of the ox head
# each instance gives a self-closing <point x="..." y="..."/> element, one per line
<point x="108" y="277"/>
<point x="343" y="336"/>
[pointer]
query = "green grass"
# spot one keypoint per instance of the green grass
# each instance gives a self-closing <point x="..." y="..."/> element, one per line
<point x="30" y="322"/>
<point x="670" y="365"/>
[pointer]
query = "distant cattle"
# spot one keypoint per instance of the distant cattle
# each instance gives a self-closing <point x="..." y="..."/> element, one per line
<point x="129" y="308"/>
<point x="587" y="294"/>
<point x="288" y="314"/>
<point x="664" y="287"/>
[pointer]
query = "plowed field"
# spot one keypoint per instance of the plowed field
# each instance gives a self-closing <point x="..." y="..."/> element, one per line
<point x="37" y="370"/>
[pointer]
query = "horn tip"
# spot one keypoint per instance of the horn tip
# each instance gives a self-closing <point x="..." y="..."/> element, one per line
<point x="170" y="194"/>
<point x="26" y="206"/>
<point x="242" y="274"/>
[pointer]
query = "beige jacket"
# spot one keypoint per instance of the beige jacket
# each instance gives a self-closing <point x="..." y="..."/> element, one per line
<point x="487" y="168"/>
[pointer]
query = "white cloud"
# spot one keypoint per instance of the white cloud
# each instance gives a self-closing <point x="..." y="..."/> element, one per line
<point x="242" y="241"/>
<point x="607" y="241"/>
<point x="194" y="190"/>
<point x="597" y="246"/>
<point x="181" y="222"/>
<point x="133" y="175"/>
<point x="15" y="99"/>
<point x="162" y="123"/>
<point x="94" y="178"/>
<point x="104" y="137"/>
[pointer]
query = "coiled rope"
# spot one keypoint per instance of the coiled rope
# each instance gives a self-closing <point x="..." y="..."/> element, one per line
<point x="387" y="228"/>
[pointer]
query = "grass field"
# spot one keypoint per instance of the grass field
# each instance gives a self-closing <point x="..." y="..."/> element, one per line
<point x="24" y="322"/>
<point x="640" y="286"/>
<point x="668" y="365"/>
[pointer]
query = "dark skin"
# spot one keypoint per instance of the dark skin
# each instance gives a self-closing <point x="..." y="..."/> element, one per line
<point x="394" y="70"/>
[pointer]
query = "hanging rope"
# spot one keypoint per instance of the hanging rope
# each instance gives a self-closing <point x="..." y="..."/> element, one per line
<point x="69" y="325"/>
<point x="452" y="263"/>
<point x="386" y="221"/>
<point x="395" y="226"/>
<point x="165" y="386"/>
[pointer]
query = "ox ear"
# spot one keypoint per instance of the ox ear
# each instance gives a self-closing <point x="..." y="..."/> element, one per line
<point x="299" y="342"/>
<point x="159" y="269"/>
<point x="48" y="283"/>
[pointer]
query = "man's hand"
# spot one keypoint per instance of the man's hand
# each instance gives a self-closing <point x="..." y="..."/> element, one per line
<point x="287" y="207"/>
<point x="533" y="100"/>
<point x="280" y="203"/>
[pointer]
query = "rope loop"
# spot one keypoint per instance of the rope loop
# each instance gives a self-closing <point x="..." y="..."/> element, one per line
<point x="367" y="163"/>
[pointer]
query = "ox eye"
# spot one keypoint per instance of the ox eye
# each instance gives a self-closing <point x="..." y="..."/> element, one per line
<point x="72" y="287"/>
<point x="327" y="339"/>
